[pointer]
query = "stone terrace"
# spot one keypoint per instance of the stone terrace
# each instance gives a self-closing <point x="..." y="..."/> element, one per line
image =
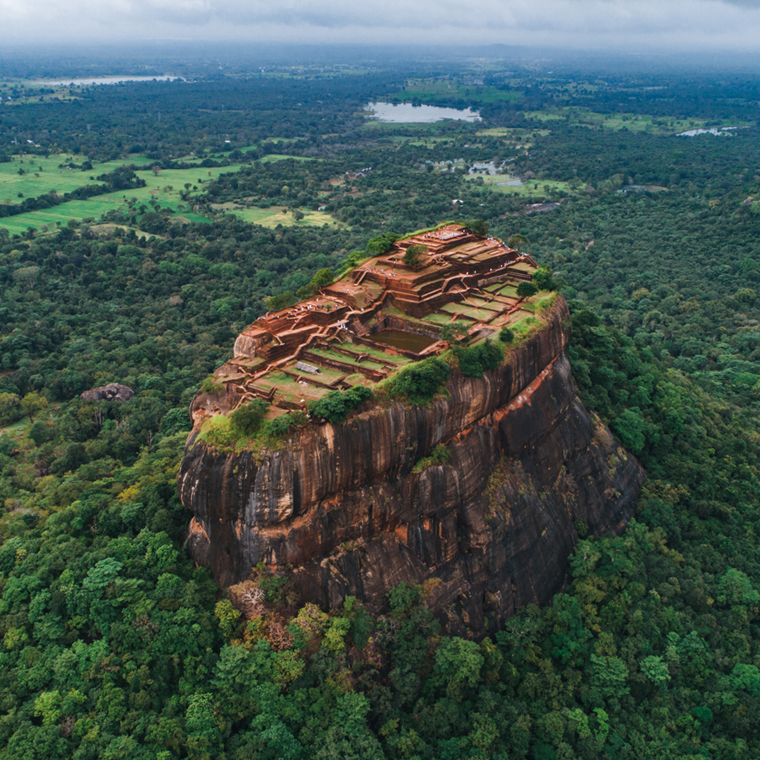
<point x="380" y="317"/>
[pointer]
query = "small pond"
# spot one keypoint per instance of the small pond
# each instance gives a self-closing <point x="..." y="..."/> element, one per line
<point x="401" y="339"/>
<point x="406" y="113"/>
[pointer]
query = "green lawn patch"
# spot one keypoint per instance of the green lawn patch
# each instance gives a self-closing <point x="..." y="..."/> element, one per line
<point x="529" y="188"/>
<point x="431" y="90"/>
<point x="282" y="157"/>
<point x="163" y="187"/>
<point x="275" y="215"/>
<point x="632" y="122"/>
<point x="396" y="359"/>
<point x="508" y="291"/>
<point x="438" y="318"/>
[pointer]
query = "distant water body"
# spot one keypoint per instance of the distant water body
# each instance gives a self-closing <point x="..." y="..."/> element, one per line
<point x="101" y="80"/>
<point x="710" y="131"/>
<point x="406" y="113"/>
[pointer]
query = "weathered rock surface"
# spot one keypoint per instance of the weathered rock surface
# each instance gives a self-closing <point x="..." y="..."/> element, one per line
<point x="110" y="392"/>
<point x="488" y="532"/>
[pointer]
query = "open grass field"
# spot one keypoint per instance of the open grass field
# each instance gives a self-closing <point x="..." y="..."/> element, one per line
<point x="37" y="175"/>
<point x="380" y="354"/>
<point x="368" y="364"/>
<point x="508" y="291"/>
<point x="438" y="318"/>
<point x="514" y="132"/>
<point x="164" y="188"/>
<point x="423" y="128"/>
<point x="424" y="142"/>
<point x="16" y="429"/>
<point x="41" y="175"/>
<point x="529" y="188"/>
<point x="426" y="90"/>
<point x="276" y="215"/>
<point x="632" y="122"/>
<point x="455" y="308"/>
<point x="282" y="157"/>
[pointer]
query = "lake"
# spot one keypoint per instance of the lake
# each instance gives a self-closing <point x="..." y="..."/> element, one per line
<point x="406" y="113"/>
<point x="710" y="131"/>
<point x="101" y="80"/>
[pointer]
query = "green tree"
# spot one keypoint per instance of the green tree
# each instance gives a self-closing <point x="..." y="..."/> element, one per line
<point x="526" y="290"/>
<point x="517" y="241"/>
<point x="457" y="665"/>
<point x="280" y="301"/>
<point x="477" y="226"/>
<point x="204" y="740"/>
<point x="10" y="408"/>
<point x="32" y="403"/>
<point x="543" y="279"/>
<point x="377" y="246"/>
<point x="247" y="419"/>
<point x="632" y="429"/>
<point x="337" y="405"/>
<point x="475" y="360"/>
<point x="655" y="670"/>
<point x="455" y="331"/>
<point x="420" y="382"/>
<point x="414" y="254"/>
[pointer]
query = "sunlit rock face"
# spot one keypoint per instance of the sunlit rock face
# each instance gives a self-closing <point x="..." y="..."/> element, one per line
<point x="341" y="509"/>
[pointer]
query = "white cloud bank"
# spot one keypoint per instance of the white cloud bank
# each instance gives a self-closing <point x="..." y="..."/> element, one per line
<point x="646" y="25"/>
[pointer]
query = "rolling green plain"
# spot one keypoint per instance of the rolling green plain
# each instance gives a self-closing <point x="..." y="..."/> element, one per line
<point x="115" y="645"/>
<point x="45" y="174"/>
<point x="631" y="121"/>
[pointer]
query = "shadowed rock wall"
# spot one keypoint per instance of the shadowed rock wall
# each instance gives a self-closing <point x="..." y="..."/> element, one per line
<point x="488" y="532"/>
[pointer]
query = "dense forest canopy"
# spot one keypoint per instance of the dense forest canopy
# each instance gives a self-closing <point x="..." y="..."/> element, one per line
<point x="114" y="645"/>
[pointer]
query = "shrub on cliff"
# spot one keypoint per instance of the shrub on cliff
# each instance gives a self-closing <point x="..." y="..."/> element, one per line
<point x="280" y="426"/>
<point x="438" y="456"/>
<point x="420" y="382"/>
<point x="321" y="279"/>
<point x="526" y="290"/>
<point x="352" y="261"/>
<point x="455" y="332"/>
<point x="507" y="335"/>
<point x="475" y="360"/>
<point x="337" y="405"/>
<point x="280" y="301"/>
<point x="544" y="279"/>
<point x="212" y="385"/>
<point x="381" y="244"/>
<point x="247" y="419"/>
<point x="476" y="226"/>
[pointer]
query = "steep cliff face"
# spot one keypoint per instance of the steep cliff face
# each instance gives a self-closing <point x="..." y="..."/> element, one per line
<point x="342" y="509"/>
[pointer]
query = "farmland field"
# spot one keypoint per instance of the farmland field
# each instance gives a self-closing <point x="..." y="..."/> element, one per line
<point x="631" y="121"/>
<point x="529" y="187"/>
<point x="163" y="188"/>
<point x="37" y="175"/>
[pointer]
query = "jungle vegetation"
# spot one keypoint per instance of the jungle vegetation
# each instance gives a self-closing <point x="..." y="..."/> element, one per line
<point x="114" y="645"/>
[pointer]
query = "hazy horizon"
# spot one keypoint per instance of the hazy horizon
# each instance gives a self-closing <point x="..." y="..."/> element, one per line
<point x="614" y="26"/>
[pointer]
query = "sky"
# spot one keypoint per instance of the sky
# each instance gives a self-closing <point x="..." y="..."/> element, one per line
<point x="636" y="25"/>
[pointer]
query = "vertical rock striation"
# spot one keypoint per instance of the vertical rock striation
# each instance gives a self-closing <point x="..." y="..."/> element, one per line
<point x="343" y="510"/>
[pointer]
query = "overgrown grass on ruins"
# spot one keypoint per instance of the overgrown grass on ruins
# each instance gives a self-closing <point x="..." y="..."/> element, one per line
<point x="250" y="430"/>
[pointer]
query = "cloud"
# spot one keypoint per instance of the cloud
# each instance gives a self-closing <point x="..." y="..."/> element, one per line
<point x="600" y="24"/>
